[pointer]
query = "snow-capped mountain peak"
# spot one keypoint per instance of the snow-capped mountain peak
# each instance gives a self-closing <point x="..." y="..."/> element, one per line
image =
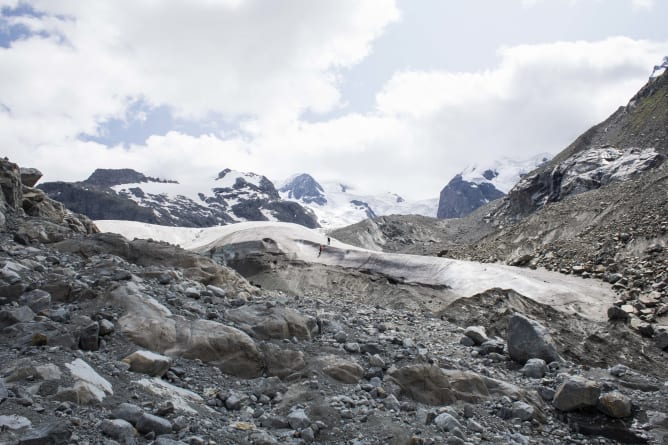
<point x="304" y="188"/>
<point x="503" y="173"/>
<point x="338" y="204"/>
<point x="230" y="196"/>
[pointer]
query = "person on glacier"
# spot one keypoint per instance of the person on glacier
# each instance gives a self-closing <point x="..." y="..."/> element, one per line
<point x="320" y="251"/>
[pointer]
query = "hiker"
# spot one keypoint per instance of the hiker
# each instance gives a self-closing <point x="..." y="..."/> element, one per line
<point x="320" y="251"/>
<point x="329" y="241"/>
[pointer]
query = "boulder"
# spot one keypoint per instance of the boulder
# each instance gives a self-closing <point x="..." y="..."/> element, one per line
<point x="147" y="362"/>
<point x="37" y="300"/>
<point x="529" y="339"/>
<point x="282" y="362"/>
<point x="535" y="368"/>
<point x="340" y="369"/>
<point x="276" y="322"/>
<point x="30" y="176"/>
<point x="298" y="419"/>
<point x="576" y="393"/>
<point x="447" y="422"/>
<point x="435" y="386"/>
<point x="119" y="430"/>
<point x="51" y="433"/>
<point x="614" y="404"/>
<point x="89" y="336"/>
<point x="9" y="317"/>
<point x="152" y="326"/>
<point x="477" y="334"/>
<point x="149" y="423"/>
<point x="13" y="422"/>
<point x="128" y="412"/>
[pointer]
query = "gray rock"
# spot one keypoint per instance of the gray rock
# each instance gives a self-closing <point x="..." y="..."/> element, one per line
<point x="262" y="438"/>
<point x="119" y="430"/>
<point x="298" y="419"/>
<point x="149" y="423"/>
<point x="275" y="322"/>
<point x="376" y="361"/>
<point x="282" y="362"/>
<point x="274" y="422"/>
<point x="233" y="402"/>
<point x="436" y="386"/>
<point x="11" y="317"/>
<point x="37" y="300"/>
<point x="661" y="340"/>
<point x="162" y="440"/>
<point x="522" y="411"/>
<point x="51" y="433"/>
<point x="89" y="337"/>
<point x="340" y="369"/>
<point x="307" y="435"/>
<point x="466" y="341"/>
<point x="447" y="422"/>
<point x="477" y="334"/>
<point x="391" y="402"/>
<point x="576" y="393"/>
<point x="3" y="392"/>
<point x="475" y="426"/>
<point x="147" y="362"/>
<point x="128" y="411"/>
<point x="13" y="422"/>
<point x="30" y="176"/>
<point x="529" y="339"/>
<point x="106" y="327"/>
<point x="352" y="347"/>
<point x="535" y="368"/>
<point x="492" y="346"/>
<point x="546" y="393"/>
<point x="617" y="313"/>
<point x="614" y="404"/>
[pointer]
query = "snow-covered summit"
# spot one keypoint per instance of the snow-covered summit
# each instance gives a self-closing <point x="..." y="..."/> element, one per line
<point x="503" y="173"/>
<point x="226" y="197"/>
<point x="337" y="204"/>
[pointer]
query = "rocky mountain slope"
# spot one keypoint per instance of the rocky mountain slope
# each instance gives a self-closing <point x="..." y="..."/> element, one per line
<point x="228" y="197"/>
<point x="479" y="184"/>
<point x="597" y="210"/>
<point x="633" y="139"/>
<point x="106" y="340"/>
<point x="338" y="205"/>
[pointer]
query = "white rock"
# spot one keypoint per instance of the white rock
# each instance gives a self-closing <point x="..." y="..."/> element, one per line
<point x="14" y="422"/>
<point x="84" y="372"/>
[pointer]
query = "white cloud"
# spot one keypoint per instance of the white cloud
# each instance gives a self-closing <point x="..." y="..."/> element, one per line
<point x="195" y="56"/>
<point x="642" y="5"/>
<point x="265" y="64"/>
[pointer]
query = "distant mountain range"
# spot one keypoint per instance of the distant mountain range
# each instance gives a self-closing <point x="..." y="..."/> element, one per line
<point x="337" y="204"/>
<point x="231" y="196"/>
<point x="225" y="198"/>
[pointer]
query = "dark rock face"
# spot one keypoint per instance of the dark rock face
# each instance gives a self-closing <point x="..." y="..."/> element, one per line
<point x="363" y="205"/>
<point x="97" y="203"/>
<point x="306" y="189"/>
<point x="459" y="197"/>
<point x="105" y="177"/>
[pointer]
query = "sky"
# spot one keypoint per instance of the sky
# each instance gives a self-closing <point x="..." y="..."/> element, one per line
<point x="383" y="95"/>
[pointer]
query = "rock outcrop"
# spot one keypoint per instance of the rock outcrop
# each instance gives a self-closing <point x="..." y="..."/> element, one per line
<point x="459" y="197"/>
